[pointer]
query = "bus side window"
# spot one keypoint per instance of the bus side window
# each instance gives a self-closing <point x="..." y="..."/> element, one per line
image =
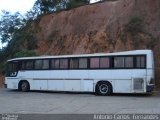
<point x="26" y="65"/>
<point x="94" y="62"/>
<point x="83" y="63"/>
<point x="63" y="63"/>
<point x="74" y="63"/>
<point x="118" y="62"/>
<point x="140" y="62"/>
<point x="42" y="64"/>
<point x="45" y="64"/>
<point x="104" y="62"/>
<point x="29" y="65"/>
<point x="54" y="63"/>
<point x="12" y="67"/>
<point x="22" y="65"/>
<point x="129" y="62"/>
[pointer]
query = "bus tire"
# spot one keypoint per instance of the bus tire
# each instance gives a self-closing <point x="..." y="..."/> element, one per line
<point x="103" y="88"/>
<point x="24" y="86"/>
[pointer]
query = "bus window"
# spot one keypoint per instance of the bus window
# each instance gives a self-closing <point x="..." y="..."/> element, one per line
<point x="27" y="65"/>
<point x="118" y="62"/>
<point x="129" y="62"/>
<point x="52" y="63"/>
<point x="63" y="63"/>
<point x="94" y="63"/>
<point x="82" y="63"/>
<point x="38" y="64"/>
<point x="140" y="62"/>
<point x="104" y="62"/>
<point x="74" y="63"/>
<point x="45" y="64"/>
<point x="42" y="64"/>
<point x="55" y="64"/>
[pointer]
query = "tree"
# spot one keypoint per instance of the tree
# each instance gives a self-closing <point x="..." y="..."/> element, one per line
<point x="9" y="23"/>
<point x="75" y="3"/>
<point x="15" y="30"/>
<point x="48" y="6"/>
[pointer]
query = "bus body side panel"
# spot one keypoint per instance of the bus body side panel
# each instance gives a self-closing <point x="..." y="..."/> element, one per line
<point x="122" y="86"/>
<point x="121" y="80"/>
<point x="78" y="80"/>
<point x="12" y="82"/>
<point x="49" y="80"/>
<point x="75" y="80"/>
<point x="126" y="81"/>
<point x="56" y="79"/>
<point x="28" y="76"/>
<point x="88" y="85"/>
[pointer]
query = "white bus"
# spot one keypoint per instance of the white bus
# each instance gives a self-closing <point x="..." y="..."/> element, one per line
<point x="102" y="73"/>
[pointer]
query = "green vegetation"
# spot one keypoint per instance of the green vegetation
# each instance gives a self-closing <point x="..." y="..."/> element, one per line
<point x="9" y="24"/>
<point x="15" y="30"/>
<point x="132" y="30"/>
<point x="76" y="3"/>
<point x="2" y="68"/>
<point x="52" y="36"/>
<point x="42" y="7"/>
<point x="25" y="53"/>
<point x="135" y="31"/>
<point x="135" y="25"/>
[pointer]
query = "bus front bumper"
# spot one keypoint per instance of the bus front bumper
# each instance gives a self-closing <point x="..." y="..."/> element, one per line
<point x="150" y="88"/>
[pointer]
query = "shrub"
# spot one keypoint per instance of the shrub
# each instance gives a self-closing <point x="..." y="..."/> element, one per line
<point x="76" y="3"/>
<point x="25" y="53"/>
<point x="134" y="26"/>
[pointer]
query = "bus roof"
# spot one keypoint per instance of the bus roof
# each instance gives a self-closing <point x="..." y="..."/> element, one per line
<point x="133" y="52"/>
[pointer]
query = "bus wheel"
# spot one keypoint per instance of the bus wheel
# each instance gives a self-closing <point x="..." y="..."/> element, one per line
<point x="24" y="86"/>
<point x="103" y="88"/>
